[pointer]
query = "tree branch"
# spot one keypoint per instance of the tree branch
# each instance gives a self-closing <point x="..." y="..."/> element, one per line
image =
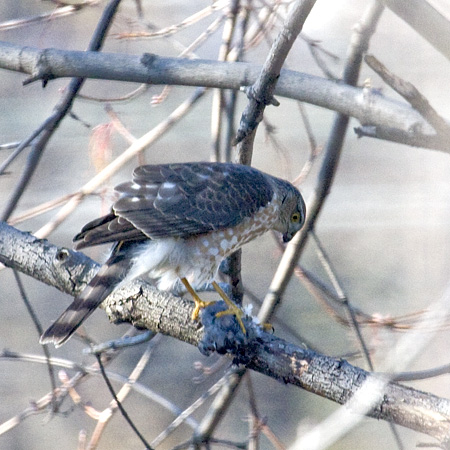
<point x="146" y="307"/>
<point x="425" y="20"/>
<point x="368" y="108"/>
<point x="260" y="93"/>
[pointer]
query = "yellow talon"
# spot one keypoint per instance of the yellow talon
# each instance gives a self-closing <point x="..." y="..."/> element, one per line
<point x="199" y="304"/>
<point x="232" y="308"/>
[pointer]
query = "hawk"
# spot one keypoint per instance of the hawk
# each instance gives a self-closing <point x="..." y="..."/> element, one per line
<point x="176" y="223"/>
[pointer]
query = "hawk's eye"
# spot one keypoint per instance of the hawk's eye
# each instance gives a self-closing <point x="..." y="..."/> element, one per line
<point x="295" y="217"/>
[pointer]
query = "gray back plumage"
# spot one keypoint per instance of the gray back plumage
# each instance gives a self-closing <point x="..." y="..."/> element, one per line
<point x="180" y="200"/>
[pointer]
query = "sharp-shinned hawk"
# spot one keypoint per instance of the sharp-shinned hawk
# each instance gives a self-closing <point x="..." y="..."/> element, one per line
<point x="176" y="223"/>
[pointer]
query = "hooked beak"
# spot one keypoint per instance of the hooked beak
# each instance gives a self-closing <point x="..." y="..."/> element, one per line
<point x="287" y="237"/>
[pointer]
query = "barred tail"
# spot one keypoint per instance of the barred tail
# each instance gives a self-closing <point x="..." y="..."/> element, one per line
<point x="110" y="275"/>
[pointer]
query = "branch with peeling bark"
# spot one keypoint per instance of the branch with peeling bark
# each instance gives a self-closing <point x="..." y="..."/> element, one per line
<point x="146" y="307"/>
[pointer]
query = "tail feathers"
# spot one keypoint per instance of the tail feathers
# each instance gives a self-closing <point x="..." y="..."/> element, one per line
<point x="110" y="275"/>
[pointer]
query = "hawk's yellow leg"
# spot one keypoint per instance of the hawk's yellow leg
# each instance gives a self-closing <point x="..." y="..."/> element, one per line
<point x="232" y="308"/>
<point x="199" y="303"/>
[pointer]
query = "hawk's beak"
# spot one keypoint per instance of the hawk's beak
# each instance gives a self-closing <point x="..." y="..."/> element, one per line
<point x="287" y="237"/>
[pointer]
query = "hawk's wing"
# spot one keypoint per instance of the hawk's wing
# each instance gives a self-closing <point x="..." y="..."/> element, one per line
<point x="180" y="200"/>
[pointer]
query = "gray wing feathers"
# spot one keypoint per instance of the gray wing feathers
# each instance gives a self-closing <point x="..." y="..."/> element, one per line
<point x="185" y="199"/>
<point x="180" y="200"/>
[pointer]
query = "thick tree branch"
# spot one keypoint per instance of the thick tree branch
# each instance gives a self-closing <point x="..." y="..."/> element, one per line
<point x="369" y="108"/>
<point x="144" y="306"/>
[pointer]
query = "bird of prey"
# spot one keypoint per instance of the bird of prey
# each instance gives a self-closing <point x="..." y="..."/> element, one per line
<point x="176" y="223"/>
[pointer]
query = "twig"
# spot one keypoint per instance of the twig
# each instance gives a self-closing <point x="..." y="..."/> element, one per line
<point x="425" y="20"/>
<point x="39" y="329"/>
<point x="120" y="397"/>
<point x="410" y="93"/>
<point x="172" y="29"/>
<point x="410" y="138"/>
<point x="181" y="418"/>
<point x="57" y="13"/>
<point x="82" y="371"/>
<point x="217" y="108"/>
<point x="316" y="54"/>
<point x="353" y="321"/>
<point x="60" y="111"/>
<point x="360" y="42"/>
<point x="261" y="92"/>
<point x="134" y="149"/>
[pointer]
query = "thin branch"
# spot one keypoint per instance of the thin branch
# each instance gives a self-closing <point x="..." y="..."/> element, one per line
<point x="410" y="138"/>
<point x="135" y="148"/>
<point x="360" y="41"/>
<point x="40" y="406"/>
<point x="353" y="321"/>
<point x="59" y="12"/>
<point x="425" y="20"/>
<point x="172" y="29"/>
<point x="60" y="111"/>
<point x="217" y="108"/>
<point x="119" y="404"/>
<point x="39" y="329"/>
<point x="410" y="93"/>
<point x="261" y="92"/>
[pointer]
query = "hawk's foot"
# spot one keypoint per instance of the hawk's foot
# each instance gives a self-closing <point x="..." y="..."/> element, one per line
<point x="199" y="303"/>
<point x="232" y="307"/>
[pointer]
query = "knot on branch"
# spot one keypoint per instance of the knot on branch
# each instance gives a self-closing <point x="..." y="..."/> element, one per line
<point x="263" y="97"/>
<point x="148" y="59"/>
<point x="42" y="71"/>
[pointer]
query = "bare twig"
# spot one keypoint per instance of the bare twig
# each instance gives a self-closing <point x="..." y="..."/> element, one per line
<point x="134" y="149"/>
<point x="59" y="112"/>
<point x="217" y="109"/>
<point x="410" y="138"/>
<point x="119" y="404"/>
<point x="261" y="92"/>
<point x="172" y="29"/>
<point x="425" y="20"/>
<point x="410" y="93"/>
<point x="360" y="42"/>
<point x="59" y="12"/>
<point x="41" y="405"/>
<point x="39" y="330"/>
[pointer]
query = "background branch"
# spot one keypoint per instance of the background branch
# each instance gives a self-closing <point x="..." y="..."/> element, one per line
<point x="368" y="108"/>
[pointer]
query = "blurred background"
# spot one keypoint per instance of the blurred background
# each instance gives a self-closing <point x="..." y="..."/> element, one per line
<point x="385" y="225"/>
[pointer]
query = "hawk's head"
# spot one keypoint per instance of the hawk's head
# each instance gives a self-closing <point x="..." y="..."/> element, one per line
<point x="292" y="212"/>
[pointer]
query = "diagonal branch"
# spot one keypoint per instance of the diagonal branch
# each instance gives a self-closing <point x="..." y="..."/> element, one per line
<point x="50" y="125"/>
<point x="261" y="92"/>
